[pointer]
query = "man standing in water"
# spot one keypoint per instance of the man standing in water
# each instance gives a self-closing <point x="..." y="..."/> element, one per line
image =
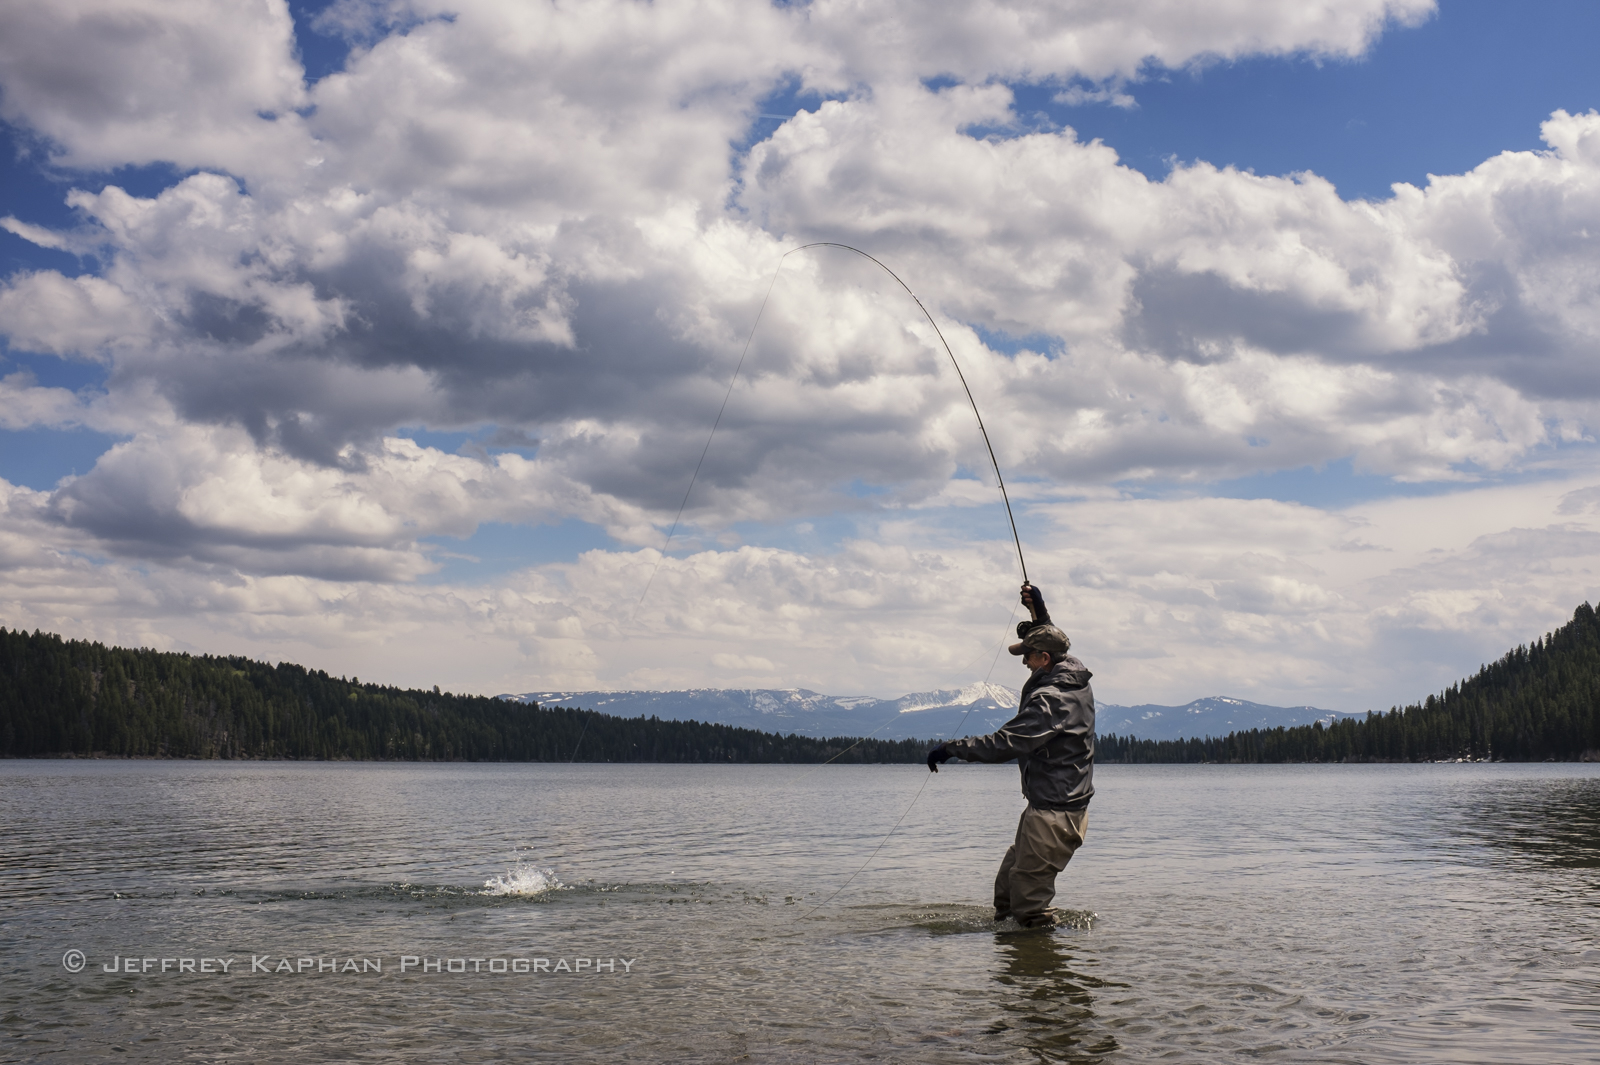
<point x="1052" y="739"/>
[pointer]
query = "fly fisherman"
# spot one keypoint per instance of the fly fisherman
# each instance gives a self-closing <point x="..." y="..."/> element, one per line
<point x="1052" y="739"/>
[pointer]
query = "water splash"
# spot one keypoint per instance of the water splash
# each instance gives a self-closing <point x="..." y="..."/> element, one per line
<point x="957" y="920"/>
<point x="525" y="879"/>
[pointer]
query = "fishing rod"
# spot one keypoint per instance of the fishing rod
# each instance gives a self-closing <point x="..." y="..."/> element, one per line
<point x="963" y="378"/>
<point x="999" y="479"/>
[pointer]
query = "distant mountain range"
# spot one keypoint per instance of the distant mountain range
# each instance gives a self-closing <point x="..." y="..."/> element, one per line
<point x="1216" y="715"/>
<point x="941" y="714"/>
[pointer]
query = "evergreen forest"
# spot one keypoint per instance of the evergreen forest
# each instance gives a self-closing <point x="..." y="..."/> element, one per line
<point x="66" y="698"/>
<point x="1537" y="703"/>
<point x="74" y="698"/>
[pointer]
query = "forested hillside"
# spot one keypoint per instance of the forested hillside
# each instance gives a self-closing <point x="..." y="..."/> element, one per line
<point x="1538" y="702"/>
<point x="60" y="697"/>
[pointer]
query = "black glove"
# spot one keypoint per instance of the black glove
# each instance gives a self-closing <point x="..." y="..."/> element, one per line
<point x="1041" y="613"/>
<point x="938" y="756"/>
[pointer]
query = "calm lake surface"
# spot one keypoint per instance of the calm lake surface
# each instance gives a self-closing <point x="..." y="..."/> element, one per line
<point x="1438" y="913"/>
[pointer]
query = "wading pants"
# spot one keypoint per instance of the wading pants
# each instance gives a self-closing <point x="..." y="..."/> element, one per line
<point x="1046" y="841"/>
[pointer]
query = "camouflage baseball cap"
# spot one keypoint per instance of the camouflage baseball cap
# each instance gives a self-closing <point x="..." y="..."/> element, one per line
<point x="1043" y="638"/>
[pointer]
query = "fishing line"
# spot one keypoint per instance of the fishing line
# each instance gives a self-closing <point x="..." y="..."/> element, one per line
<point x="896" y="717"/>
<point x="712" y="435"/>
<point x="886" y="836"/>
<point x="871" y="856"/>
<point x="1004" y="495"/>
<point x="581" y="733"/>
<point x="914" y="798"/>
<point x="700" y="464"/>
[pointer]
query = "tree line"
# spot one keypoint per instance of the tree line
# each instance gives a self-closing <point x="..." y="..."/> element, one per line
<point x="1537" y="703"/>
<point x="72" y="697"/>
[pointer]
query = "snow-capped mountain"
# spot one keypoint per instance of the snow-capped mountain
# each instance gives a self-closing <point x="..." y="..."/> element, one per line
<point x="921" y="715"/>
<point x="1216" y="715"/>
<point x="941" y="714"/>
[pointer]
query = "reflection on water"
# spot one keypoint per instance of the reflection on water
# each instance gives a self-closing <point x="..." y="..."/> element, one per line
<point x="1048" y="1004"/>
<point x="1556" y="823"/>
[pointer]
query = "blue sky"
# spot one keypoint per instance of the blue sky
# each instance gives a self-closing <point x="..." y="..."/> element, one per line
<point x="360" y="330"/>
<point x="1469" y="83"/>
<point x="1474" y="80"/>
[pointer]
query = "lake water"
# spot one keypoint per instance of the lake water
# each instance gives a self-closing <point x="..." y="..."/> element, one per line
<point x="1440" y="913"/>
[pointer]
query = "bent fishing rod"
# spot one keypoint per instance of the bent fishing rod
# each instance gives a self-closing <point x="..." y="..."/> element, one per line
<point x="982" y="429"/>
<point x="721" y="410"/>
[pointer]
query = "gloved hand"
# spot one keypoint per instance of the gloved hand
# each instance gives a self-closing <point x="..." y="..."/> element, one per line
<point x="1033" y="599"/>
<point x="938" y="756"/>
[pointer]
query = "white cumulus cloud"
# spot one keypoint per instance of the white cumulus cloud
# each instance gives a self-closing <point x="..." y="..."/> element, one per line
<point x="554" y="225"/>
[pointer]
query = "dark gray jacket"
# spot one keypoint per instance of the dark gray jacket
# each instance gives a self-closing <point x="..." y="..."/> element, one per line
<point x="1052" y="738"/>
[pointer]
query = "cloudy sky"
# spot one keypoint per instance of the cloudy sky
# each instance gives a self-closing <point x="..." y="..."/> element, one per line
<point x="385" y="336"/>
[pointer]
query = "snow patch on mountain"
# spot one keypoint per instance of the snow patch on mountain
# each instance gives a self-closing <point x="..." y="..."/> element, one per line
<point x="943" y="713"/>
